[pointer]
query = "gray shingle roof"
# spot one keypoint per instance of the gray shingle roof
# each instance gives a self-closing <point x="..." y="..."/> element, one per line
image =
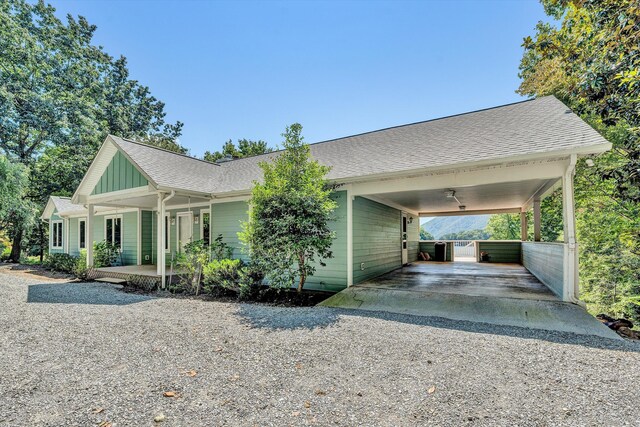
<point x="169" y="169"/>
<point x="537" y="126"/>
<point x="541" y="125"/>
<point x="63" y="205"/>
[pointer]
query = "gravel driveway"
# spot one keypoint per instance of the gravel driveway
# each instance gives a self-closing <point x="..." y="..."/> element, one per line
<point x="78" y="354"/>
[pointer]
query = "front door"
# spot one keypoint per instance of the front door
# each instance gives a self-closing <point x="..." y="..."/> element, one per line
<point x="405" y="252"/>
<point x="185" y="230"/>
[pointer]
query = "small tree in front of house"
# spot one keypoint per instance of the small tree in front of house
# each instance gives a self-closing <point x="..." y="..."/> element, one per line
<point x="288" y="228"/>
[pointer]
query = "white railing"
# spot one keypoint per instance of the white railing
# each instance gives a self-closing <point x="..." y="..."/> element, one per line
<point x="464" y="248"/>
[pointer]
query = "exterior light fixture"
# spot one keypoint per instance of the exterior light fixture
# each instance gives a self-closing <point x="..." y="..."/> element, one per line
<point x="462" y="207"/>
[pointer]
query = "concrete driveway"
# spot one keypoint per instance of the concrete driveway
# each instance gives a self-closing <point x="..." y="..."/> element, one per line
<point x="501" y="294"/>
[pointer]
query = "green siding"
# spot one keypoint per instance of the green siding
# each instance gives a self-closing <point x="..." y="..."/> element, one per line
<point x="73" y="236"/>
<point x="226" y="219"/>
<point x="147" y="233"/>
<point x="502" y="251"/>
<point x="376" y="239"/>
<point x="333" y="276"/>
<point x="173" y="227"/>
<point x="413" y="238"/>
<point x="119" y="175"/>
<point x="429" y="247"/>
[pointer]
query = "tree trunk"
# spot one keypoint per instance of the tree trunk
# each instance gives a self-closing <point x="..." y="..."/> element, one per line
<point x="16" y="246"/>
<point x="303" y="276"/>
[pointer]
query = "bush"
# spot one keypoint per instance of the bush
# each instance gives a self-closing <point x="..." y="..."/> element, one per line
<point x="219" y="249"/>
<point x="105" y="254"/>
<point x="63" y="263"/>
<point x="224" y="273"/>
<point x="81" y="270"/>
<point x="190" y="264"/>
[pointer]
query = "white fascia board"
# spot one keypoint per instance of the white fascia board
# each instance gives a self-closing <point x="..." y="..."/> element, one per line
<point x="455" y="178"/>
<point x="119" y="195"/>
<point x="96" y="169"/>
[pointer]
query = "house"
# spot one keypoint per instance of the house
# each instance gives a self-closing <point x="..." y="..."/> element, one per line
<point x="498" y="160"/>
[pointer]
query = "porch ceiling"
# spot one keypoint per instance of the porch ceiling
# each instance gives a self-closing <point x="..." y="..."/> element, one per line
<point x="500" y="196"/>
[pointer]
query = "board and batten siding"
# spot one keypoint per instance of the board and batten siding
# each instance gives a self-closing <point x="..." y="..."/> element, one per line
<point x="502" y="250"/>
<point x="121" y="174"/>
<point x="376" y="239"/>
<point x="545" y="260"/>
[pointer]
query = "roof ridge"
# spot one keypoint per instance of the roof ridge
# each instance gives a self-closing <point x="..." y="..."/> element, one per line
<point x="164" y="149"/>
<point x="400" y="126"/>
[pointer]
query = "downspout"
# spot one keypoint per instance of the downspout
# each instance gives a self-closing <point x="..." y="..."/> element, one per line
<point x="163" y="263"/>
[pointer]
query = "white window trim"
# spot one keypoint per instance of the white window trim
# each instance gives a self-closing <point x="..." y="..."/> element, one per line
<point x="53" y="232"/>
<point x="84" y="219"/>
<point x="121" y="228"/>
<point x="202" y="212"/>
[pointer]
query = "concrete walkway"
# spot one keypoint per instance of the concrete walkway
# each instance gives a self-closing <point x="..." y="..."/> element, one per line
<point x="508" y="298"/>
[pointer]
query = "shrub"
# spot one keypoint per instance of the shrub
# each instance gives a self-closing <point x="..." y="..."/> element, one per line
<point x="224" y="273"/>
<point x="105" y="254"/>
<point x="81" y="270"/>
<point x="190" y="263"/>
<point x="63" y="263"/>
<point x="219" y="249"/>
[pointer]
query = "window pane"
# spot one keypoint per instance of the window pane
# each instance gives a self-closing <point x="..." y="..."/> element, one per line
<point x="59" y="234"/>
<point x="109" y="232"/>
<point x="117" y="228"/>
<point x="54" y="234"/>
<point x="82" y="235"/>
<point x="205" y="227"/>
<point x="404" y="224"/>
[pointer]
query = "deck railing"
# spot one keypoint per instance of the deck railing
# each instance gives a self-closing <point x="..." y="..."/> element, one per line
<point x="464" y="248"/>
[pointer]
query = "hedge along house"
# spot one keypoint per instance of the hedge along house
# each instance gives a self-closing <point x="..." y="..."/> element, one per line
<point x="502" y="159"/>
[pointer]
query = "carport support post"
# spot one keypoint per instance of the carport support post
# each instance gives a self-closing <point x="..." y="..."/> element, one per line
<point x="523" y="224"/>
<point x="88" y="233"/>
<point x="537" y="219"/>
<point x="570" y="289"/>
<point x="160" y="261"/>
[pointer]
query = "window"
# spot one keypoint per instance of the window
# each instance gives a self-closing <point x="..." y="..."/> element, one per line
<point x="113" y="230"/>
<point x="82" y="234"/>
<point x="205" y="226"/>
<point x="56" y="234"/>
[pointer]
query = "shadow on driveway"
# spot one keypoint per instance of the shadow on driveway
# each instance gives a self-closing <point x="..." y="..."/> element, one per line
<point x="81" y="293"/>
<point x="287" y="318"/>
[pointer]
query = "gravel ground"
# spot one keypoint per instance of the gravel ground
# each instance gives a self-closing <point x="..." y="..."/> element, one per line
<point x="78" y="354"/>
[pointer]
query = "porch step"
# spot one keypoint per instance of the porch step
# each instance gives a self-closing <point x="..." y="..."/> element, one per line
<point x="113" y="280"/>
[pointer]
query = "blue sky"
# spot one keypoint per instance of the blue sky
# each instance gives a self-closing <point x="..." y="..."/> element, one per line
<point x="247" y="69"/>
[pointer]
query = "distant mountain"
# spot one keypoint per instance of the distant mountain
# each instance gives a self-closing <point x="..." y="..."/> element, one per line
<point x="441" y="225"/>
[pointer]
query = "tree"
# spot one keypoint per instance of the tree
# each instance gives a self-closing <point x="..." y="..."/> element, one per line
<point x="245" y="148"/>
<point x="288" y="227"/>
<point x="58" y="90"/>
<point x="591" y="63"/>
<point x="504" y="227"/>
<point x="15" y="211"/>
<point x="425" y="235"/>
<point x="467" y="235"/>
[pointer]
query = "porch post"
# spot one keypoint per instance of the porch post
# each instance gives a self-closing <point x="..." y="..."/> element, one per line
<point x="349" y="238"/>
<point x="160" y="236"/>
<point x="537" y="229"/>
<point x="570" y="291"/>
<point x="523" y="224"/>
<point x="88" y="235"/>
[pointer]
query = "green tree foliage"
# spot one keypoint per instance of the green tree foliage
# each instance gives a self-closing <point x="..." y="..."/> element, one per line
<point x="60" y="95"/>
<point x="425" y="235"/>
<point x="15" y="211"/>
<point x="592" y="62"/>
<point x="504" y="227"/>
<point x="467" y="235"/>
<point x="288" y="227"/>
<point x="245" y="148"/>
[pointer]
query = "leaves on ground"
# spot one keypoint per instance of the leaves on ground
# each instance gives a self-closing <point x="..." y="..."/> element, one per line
<point x="432" y="389"/>
<point x="170" y="394"/>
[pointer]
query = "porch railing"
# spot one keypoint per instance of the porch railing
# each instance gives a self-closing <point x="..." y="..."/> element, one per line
<point x="464" y="248"/>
